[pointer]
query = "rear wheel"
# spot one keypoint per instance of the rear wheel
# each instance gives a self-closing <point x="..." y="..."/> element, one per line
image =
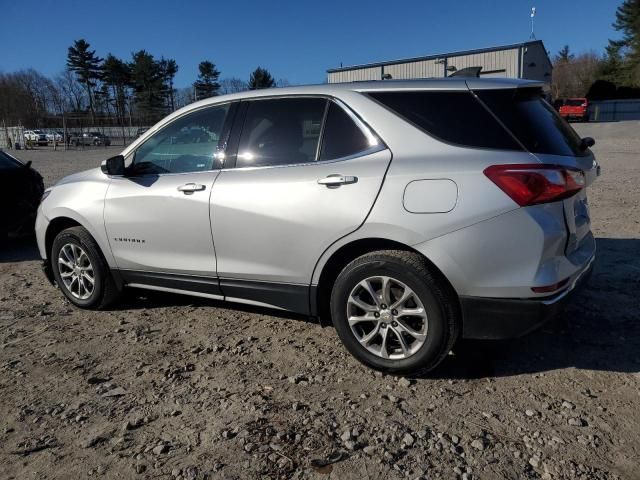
<point x="81" y="271"/>
<point x="393" y="314"/>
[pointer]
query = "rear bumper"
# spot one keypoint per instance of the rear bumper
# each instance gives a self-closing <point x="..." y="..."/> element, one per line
<point x="503" y="318"/>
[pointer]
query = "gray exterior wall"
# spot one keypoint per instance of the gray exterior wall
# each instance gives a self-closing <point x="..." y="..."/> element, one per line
<point x="535" y="63"/>
<point x="527" y="60"/>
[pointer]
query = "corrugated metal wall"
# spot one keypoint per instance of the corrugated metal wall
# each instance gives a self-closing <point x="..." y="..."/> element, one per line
<point x="356" y="75"/>
<point x="504" y="63"/>
<point x="420" y="69"/>
<point x="506" y="60"/>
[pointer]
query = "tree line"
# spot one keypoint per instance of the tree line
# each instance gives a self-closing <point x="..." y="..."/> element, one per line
<point x="613" y="75"/>
<point x="112" y="91"/>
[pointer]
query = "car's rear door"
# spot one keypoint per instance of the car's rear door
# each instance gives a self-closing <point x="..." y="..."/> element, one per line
<point x="157" y="215"/>
<point x="307" y="172"/>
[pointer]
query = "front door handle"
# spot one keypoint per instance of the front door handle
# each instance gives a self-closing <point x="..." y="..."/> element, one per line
<point x="189" y="188"/>
<point x="336" y="180"/>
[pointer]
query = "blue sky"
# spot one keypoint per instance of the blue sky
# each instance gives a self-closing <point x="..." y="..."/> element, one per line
<point x="296" y="40"/>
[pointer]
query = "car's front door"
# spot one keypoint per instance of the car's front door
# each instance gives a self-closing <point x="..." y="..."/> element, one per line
<point x="307" y="173"/>
<point x="157" y="215"/>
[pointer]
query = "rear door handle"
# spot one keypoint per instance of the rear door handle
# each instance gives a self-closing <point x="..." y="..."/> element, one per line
<point x="336" y="180"/>
<point x="189" y="188"/>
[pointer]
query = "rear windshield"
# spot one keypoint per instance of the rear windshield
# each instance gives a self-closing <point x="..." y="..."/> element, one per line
<point x="454" y="117"/>
<point x="7" y="162"/>
<point x="533" y="121"/>
<point x="574" y="102"/>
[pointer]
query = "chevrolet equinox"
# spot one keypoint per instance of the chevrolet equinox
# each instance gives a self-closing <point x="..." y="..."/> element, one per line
<point x="410" y="213"/>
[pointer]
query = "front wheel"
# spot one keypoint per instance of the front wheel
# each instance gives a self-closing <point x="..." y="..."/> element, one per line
<point x="393" y="314"/>
<point x="81" y="271"/>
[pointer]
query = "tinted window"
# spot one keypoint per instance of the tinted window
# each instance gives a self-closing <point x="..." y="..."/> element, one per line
<point x="454" y="117"/>
<point x="6" y="162"/>
<point x="188" y="144"/>
<point x="342" y="137"/>
<point x="532" y="120"/>
<point x="281" y="132"/>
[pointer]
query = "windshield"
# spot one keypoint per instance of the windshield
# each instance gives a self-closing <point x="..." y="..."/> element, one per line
<point x="8" y="162"/>
<point x="533" y="121"/>
<point x="575" y="102"/>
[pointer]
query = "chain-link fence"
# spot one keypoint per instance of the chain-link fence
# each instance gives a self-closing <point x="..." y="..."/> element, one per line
<point x="64" y="137"/>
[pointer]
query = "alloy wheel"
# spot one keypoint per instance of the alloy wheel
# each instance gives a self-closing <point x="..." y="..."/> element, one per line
<point x="76" y="271"/>
<point x="387" y="317"/>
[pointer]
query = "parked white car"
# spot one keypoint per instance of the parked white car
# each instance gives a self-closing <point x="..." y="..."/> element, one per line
<point x="54" y="137"/>
<point x="36" y="136"/>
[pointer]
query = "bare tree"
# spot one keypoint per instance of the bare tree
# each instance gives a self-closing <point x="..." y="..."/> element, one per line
<point x="574" y="74"/>
<point x="232" y="85"/>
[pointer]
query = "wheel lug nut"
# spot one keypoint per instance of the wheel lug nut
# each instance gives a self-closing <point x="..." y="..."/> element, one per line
<point x="384" y="325"/>
<point x="376" y="314"/>
<point x="383" y="306"/>
<point x="395" y="324"/>
<point x="394" y="312"/>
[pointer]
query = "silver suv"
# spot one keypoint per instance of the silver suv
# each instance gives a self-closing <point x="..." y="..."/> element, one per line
<point x="411" y="213"/>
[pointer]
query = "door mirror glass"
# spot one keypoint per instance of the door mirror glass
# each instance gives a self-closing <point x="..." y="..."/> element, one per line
<point x="113" y="165"/>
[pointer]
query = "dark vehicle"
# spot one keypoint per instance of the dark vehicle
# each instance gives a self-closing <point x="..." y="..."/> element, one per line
<point x="90" y="138"/>
<point x="575" y="109"/>
<point x="21" y="189"/>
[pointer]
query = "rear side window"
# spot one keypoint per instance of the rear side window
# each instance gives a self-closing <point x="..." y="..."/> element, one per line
<point x="282" y="131"/>
<point x="533" y="121"/>
<point x="454" y="117"/>
<point x="342" y="137"/>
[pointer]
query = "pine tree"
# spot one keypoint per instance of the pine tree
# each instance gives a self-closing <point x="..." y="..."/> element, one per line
<point x="169" y="68"/>
<point x="207" y="84"/>
<point x="628" y="22"/>
<point x="261" y="78"/>
<point x="564" y="55"/>
<point x="88" y="68"/>
<point x="117" y="76"/>
<point x="147" y="83"/>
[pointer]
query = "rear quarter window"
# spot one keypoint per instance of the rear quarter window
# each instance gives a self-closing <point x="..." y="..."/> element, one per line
<point x="342" y="137"/>
<point x="453" y="117"/>
<point x="533" y="121"/>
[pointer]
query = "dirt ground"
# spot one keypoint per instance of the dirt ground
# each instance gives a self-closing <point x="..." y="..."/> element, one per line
<point x="177" y="387"/>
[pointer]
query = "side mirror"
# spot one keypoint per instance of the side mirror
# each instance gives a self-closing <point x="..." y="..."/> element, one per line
<point x="113" y="166"/>
<point x="587" y="142"/>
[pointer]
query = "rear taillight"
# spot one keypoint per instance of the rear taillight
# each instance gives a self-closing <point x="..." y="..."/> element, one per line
<point x="531" y="184"/>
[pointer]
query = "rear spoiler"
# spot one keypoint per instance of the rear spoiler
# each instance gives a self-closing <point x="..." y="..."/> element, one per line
<point x="470" y="72"/>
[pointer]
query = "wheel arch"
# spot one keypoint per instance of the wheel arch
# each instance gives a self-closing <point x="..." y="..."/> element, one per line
<point x="321" y="293"/>
<point x="55" y="226"/>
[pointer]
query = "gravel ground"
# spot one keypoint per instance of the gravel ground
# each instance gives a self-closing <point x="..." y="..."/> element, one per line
<point x="177" y="387"/>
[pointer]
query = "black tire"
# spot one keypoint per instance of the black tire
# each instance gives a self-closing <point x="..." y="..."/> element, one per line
<point x="105" y="291"/>
<point x="437" y="297"/>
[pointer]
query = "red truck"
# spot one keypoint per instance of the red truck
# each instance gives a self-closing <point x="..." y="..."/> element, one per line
<point x="575" y="109"/>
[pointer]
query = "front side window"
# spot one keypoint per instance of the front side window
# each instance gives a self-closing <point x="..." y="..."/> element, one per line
<point x="282" y="131"/>
<point x="189" y="144"/>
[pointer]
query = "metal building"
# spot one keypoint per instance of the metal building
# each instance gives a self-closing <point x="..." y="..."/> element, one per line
<point x="522" y="60"/>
